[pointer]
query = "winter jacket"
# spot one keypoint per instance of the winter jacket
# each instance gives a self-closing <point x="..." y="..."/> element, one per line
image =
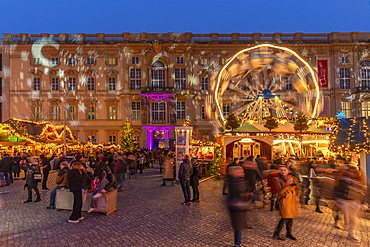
<point x="46" y="162"/>
<point x="112" y="167"/>
<point x="6" y="164"/>
<point x="122" y="167"/>
<point x="288" y="196"/>
<point x="76" y="181"/>
<point x="112" y="180"/>
<point x="185" y="170"/>
<point x="168" y="169"/>
<point x="61" y="179"/>
<point x="31" y="169"/>
<point x="194" y="178"/>
<point x="350" y="189"/>
<point x="98" y="169"/>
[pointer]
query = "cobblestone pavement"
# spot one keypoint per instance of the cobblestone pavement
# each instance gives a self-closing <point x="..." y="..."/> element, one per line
<point x="151" y="215"/>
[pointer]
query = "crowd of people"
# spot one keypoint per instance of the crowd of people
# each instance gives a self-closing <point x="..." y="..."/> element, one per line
<point x="292" y="182"/>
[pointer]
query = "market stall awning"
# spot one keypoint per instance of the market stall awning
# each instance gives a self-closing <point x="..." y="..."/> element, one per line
<point x="247" y="128"/>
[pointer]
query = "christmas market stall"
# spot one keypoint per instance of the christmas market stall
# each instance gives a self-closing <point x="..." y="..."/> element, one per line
<point x="18" y="135"/>
<point x="351" y="139"/>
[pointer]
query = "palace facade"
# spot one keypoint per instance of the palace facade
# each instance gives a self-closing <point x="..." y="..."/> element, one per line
<point x="155" y="80"/>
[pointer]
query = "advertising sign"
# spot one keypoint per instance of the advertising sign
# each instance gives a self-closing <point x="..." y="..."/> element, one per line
<point x="322" y="66"/>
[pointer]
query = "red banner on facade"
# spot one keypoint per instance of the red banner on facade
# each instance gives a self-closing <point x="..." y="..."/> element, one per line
<point x="322" y="66"/>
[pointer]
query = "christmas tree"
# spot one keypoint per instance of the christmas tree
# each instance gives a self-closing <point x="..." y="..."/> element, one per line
<point x="301" y="123"/>
<point x="128" y="140"/>
<point x="271" y="123"/>
<point x="231" y="122"/>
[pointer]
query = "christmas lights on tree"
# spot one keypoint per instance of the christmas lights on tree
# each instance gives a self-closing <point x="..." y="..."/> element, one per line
<point x="128" y="139"/>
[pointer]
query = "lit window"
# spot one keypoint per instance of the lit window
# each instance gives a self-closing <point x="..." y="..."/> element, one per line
<point x="72" y="113"/>
<point x="204" y="60"/>
<point x="180" y="110"/>
<point x="179" y="60"/>
<point x="112" y="139"/>
<point x="90" y="84"/>
<point x="37" y="113"/>
<point x="135" y="110"/>
<point x="111" y="84"/>
<point x="112" y="113"/>
<point x="36" y="84"/>
<point x="54" y="84"/>
<point x="365" y="109"/>
<point x="90" y="112"/>
<point x="55" y="112"/>
<point x="204" y="83"/>
<point x="37" y="60"/>
<point x="72" y="84"/>
<point x="180" y="79"/>
<point x="54" y="61"/>
<point x="344" y="78"/>
<point x="135" y="60"/>
<point x="346" y="108"/>
<point x="135" y="79"/>
<point x="111" y="61"/>
<point x="223" y="60"/>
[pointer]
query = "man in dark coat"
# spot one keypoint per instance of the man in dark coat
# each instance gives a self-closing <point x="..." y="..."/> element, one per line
<point x="185" y="172"/>
<point x="6" y="168"/>
<point x="46" y="167"/>
<point x="122" y="160"/>
<point x="251" y="172"/>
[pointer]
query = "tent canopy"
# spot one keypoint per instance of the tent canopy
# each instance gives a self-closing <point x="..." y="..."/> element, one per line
<point x="353" y="131"/>
<point x="286" y="128"/>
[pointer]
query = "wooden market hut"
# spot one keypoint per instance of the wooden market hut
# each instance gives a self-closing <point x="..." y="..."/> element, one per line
<point x="25" y="135"/>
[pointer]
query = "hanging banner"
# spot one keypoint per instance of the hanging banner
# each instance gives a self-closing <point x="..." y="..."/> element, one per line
<point x="322" y="66"/>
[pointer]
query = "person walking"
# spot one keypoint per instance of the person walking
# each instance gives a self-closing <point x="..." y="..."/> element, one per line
<point x="122" y="160"/>
<point x="185" y="172"/>
<point x="46" y="167"/>
<point x="238" y="196"/>
<point x="168" y="170"/>
<point x="76" y="182"/>
<point x="131" y="162"/>
<point x="194" y="179"/>
<point x="31" y="183"/>
<point x="289" y="191"/>
<point x="350" y="192"/>
<point x="17" y="166"/>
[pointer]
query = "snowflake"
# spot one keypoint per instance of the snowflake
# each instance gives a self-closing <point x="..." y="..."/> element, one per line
<point x="341" y="114"/>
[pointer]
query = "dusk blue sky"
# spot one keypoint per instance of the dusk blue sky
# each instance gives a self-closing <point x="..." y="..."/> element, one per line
<point x="162" y="16"/>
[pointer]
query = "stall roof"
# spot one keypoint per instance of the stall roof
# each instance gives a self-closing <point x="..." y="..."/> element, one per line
<point x="286" y="128"/>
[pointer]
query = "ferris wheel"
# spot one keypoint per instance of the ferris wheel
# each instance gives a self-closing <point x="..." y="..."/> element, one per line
<point x="266" y="80"/>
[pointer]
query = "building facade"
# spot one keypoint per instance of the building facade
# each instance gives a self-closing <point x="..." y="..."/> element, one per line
<point x="98" y="81"/>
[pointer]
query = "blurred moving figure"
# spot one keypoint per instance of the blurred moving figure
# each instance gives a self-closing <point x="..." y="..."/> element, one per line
<point x="350" y="192"/>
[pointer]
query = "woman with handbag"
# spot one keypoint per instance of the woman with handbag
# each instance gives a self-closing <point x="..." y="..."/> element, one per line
<point x="33" y="177"/>
<point x="239" y="201"/>
<point x="76" y="182"/>
<point x="289" y="192"/>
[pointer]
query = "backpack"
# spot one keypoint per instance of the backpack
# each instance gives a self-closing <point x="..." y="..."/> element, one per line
<point x="67" y="177"/>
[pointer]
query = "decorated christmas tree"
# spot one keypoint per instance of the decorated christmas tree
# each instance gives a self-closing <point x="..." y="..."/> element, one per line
<point x="232" y="122"/>
<point x="128" y="140"/>
<point x="301" y="123"/>
<point x="271" y="123"/>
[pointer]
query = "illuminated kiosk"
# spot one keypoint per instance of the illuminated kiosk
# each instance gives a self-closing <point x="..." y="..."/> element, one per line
<point x="183" y="144"/>
<point x="159" y="130"/>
